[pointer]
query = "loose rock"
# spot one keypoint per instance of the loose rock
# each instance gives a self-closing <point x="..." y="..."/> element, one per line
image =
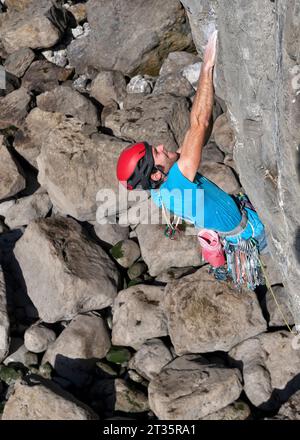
<point x="75" y="351"/>
<point x="18" y="62"/>
<point x="42" y="76"/>
<point x="151" y="357"/>
<point x="37" y="338"/>
<point x="14" y="108"/>
<point x="126" y="252"/>
<point x="138" y="316"/>
<point x="223" y="134"/>
<point x="128" y="399"/>
<point x="109" y="87"/>
<point x="12" y="181"/>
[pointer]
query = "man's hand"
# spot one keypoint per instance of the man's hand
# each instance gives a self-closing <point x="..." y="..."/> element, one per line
<point x="211" y="50"/>
<point x="201" y="114"/>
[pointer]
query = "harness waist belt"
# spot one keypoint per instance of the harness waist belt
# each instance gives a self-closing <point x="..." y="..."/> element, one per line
<point x="240" y="227"/>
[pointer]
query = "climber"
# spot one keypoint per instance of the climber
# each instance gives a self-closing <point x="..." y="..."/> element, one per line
<point x="155" y="168"/>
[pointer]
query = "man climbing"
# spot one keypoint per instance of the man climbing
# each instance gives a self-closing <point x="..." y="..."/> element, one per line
<point x="155" y="168"/>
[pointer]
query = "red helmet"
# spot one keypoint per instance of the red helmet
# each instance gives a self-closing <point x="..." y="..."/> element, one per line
<point x="135" y="166"/>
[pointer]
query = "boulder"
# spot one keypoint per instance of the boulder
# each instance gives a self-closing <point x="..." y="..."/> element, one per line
<point x="139" y="84"/>
<point x="91" y="165"/>
<point x="290" y="410"/>
<point x="27" y="209"/>
<point x="44" y="401"/>
<point x="109" y="87"/>
<point x="66" y="273"/>
<point x="129" y="399"/>
<point x="189" y="388"/>
<point x="69" y="102"/>
<point x="28" y="140"/>
<point x="223" y="134"/>
<point x="206" y="315"/>
<point x="4" y="320"/>
<point x="160" y="253"/>
<point x="150" y="358"/>
<point x="192" y="73"/>
<point x="43" y="76"/>
<point x="138" y="316"/>
<point x="176" y="61"/>
<point x="37" y="338"/>
<point x="75" y="352"/>
<point x="18" y="62"/>
<point x="174" y="84"/>
<point x="28" y="28"/>
<point x="271" y="365"/>
<point x="12" y="181"/>
<point x="221" y="175"/>
<point x="153" y="119"/>
<point x="158" y="29"/>
<point x="14" y="108"/>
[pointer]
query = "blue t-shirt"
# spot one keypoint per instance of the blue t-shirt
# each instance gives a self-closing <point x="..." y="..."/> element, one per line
<point x="200" y="202"/>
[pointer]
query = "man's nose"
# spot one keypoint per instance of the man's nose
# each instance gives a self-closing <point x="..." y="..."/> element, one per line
<point x="160" y="148"/>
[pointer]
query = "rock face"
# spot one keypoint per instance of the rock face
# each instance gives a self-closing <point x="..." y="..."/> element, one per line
<point x="11" y="180"/>
<point x="77" y="348"/>
<point x="271" y="364"/>
<point x="90" y="164"/>
<point x="40" y="402"/>
<point x="206" y="315"/>
<point x="266" y="119"/>
<point x="158" y="29"/>
<point x="189" y="388"/>
<point x="66" y="273"/>
<point x="138" y="316"/>
<point x="4" y="321"/>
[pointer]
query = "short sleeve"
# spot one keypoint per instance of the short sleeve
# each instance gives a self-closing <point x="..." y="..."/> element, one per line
<point x="177" y="180"/>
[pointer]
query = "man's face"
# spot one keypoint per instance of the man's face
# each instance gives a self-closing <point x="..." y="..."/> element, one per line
<point x="164" y="158"/>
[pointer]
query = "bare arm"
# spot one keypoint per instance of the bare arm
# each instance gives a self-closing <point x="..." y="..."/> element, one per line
<point x="200" y="119"/>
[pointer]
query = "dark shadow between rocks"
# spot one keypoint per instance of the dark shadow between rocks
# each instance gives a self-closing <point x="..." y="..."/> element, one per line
<point x="297" y="244"/>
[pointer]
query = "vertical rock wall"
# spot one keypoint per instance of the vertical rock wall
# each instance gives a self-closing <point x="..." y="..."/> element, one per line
<point x="258" y="76"/>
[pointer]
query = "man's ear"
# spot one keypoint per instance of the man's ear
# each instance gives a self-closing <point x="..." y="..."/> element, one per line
<point x="156" y="176"/>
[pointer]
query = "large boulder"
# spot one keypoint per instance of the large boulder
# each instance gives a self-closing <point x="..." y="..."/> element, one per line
<point x="155" y="119"/>
<point x="260" y="85"/>
<point x="138" y="316"/>
<point x="271" y="365"/>
<point x="206" y="315"/>
<point x="69" y="102"/>
<point x="78" y="347"/>
<point x="221" y="175"/>
<point x="91" y="165"/>
<point x="4" y="320"/>
<point x="11" y="180"/>
<point x="189" y="388"/>
<point x="44" y="401"/>
<point x="143" y="34"/>
<point x="30" y="27"/>
<point x="66" y="272"/>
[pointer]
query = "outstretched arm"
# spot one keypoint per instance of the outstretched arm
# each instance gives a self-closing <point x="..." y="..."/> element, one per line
<point x="201" y="114"/>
